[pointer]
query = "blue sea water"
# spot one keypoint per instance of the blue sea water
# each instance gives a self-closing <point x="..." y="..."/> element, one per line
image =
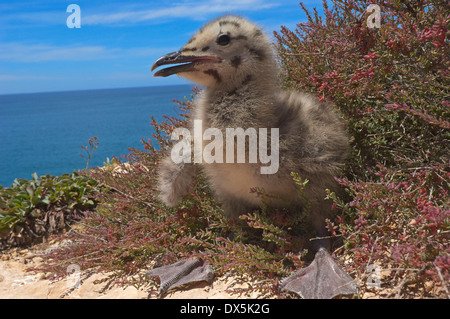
<point x="43" y="132"/>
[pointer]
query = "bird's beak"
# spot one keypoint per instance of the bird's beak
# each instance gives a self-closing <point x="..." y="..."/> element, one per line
<point x="190" y="61"/>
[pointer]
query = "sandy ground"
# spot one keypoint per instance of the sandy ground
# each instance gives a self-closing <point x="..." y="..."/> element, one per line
<point x="18" y="283"/>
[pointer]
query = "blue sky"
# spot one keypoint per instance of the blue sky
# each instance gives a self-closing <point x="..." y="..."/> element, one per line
<point x="117" y="42"/>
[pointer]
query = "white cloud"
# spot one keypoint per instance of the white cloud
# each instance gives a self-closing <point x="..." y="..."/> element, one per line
<point x="14" y="77"/>
<point x="130" y="13"/>
<point x="18" y="52"/>
<point x="30" y="53"/>
<point x="194" y="11"/>
<point x="33" y="19"/>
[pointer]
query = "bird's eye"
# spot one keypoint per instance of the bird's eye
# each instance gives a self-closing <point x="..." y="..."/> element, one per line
<point x="223" y="39"/>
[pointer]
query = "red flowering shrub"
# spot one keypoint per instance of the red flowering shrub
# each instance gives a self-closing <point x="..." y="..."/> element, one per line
<point x="389" y="83"/>
<point x="391" y="86"/>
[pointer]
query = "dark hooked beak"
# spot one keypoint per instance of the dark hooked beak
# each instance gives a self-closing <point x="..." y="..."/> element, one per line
<point x="177" y="58"/>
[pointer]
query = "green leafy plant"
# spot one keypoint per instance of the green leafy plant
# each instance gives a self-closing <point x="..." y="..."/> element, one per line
<point x="29" y="200"/>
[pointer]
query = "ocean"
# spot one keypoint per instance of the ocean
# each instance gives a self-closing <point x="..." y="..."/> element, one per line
<point x="44" y="132"/>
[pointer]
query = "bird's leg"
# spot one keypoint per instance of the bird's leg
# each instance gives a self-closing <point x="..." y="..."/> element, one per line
<point x="174" y="181"/>
<point x="323" y="278"/>
<point x="233" y="207"/>
<point x="320" y="210"/>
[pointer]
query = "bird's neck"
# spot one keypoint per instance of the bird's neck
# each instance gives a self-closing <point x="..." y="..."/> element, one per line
<point x="248" y="104"/>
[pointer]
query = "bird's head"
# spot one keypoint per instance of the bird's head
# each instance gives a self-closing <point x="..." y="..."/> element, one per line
<point x="224" y="52"/>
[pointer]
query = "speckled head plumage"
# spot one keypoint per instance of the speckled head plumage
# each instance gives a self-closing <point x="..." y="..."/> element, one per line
<point x="222" y="53"/>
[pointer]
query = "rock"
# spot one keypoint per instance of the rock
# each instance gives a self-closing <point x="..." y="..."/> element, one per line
<point x="41" y="276"/>
<point x="38" y="259"/>
<point x="29" y="255"/>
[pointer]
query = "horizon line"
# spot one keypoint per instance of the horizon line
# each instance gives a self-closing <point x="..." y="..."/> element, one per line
<point x="96" y="89"/>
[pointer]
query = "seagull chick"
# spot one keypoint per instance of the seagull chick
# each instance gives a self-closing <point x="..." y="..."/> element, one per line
<point x="233" y="59"/>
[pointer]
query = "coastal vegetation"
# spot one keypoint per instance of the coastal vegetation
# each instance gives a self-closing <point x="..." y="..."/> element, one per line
<point x="31" y="210"/>
<point x="390" y="85"/>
